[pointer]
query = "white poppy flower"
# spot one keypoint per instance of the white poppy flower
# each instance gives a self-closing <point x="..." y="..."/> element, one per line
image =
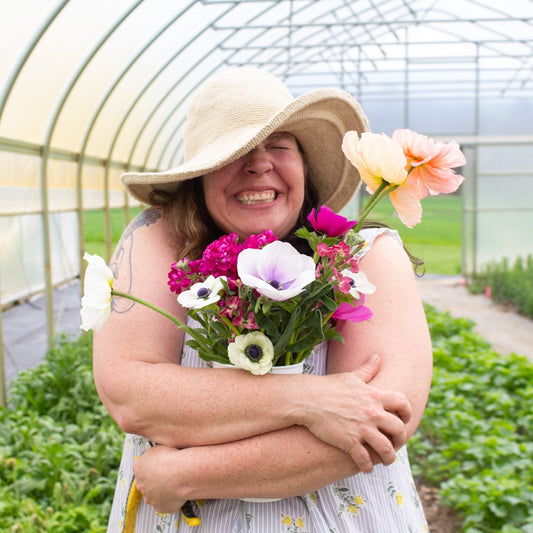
<point x="202" y="294"/>
<point x="359" y="283"/>
<point x="253" y="352"/>
<point x="277" y="270"/>
<point x="96" y="302"/>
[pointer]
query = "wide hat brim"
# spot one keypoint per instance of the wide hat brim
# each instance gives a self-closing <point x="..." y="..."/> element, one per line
<point x="318" y="120"/>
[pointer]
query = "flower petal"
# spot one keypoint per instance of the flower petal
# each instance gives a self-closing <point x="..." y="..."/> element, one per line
<point x="328" y="222"/>
<point x="406" y="201"/>
<point x="359" y="283"/>
<point x="377" y="158"/>
<point x="238" y="356"/>
<point x="96" y="301"/>
<point x="431" y="163"/>
<point x="202" y="294"/>
<point x="346" y="311"/>
<point x="277" y="271"/>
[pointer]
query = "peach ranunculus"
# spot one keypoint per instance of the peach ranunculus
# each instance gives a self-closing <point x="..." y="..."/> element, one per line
<point x="377" y="158"/>
<point x="381" y="162"/>
<point x="430" y="162"/>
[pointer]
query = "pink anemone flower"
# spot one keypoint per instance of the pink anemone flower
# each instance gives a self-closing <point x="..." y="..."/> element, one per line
<point x="327" y="222"/>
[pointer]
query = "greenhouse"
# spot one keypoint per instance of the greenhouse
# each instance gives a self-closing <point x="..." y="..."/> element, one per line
<point x="91" y="90"/>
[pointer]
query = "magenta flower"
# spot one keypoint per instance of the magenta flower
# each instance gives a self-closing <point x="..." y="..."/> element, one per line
<point x="326" y="221"/>
<point x="333" y="251"/>
<point x="347" y="311"/>
<point x="219" y="259"/>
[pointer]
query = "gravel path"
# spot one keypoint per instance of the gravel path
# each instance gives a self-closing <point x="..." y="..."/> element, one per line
<point x="507" y="331"/>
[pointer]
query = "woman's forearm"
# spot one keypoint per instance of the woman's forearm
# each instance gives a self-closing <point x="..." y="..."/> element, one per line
<point x="183" y="407"/>
<point x="279" y="464"/>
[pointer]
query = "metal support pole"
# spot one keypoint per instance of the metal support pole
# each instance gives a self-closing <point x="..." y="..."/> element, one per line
<point x="3" y="391"/>
<point x="107" y="216"/>
<point x="45" y="212"/>
<point x="476" y="167"/>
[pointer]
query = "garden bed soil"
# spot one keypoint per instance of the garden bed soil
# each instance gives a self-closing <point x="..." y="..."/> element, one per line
<point x="440" y="519"/>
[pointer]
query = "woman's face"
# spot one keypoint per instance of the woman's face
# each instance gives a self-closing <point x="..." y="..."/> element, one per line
<point x="263" y="189"/>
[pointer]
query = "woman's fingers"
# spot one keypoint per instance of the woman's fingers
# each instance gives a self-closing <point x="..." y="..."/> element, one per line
<point x="153" y="476"/>
<point x="398" y="404"/>
<point x="364" y="421"/>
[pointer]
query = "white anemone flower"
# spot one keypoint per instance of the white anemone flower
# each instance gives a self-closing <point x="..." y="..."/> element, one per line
<point x="202" y="294"/>
<point x="359" y="283"/>
<point x="96" y="302"/>
<point x="253" y="352"/>
<point x="277" y="270"/>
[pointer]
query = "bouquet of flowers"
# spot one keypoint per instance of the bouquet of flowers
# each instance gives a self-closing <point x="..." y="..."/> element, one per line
<point x="261" y="303"/>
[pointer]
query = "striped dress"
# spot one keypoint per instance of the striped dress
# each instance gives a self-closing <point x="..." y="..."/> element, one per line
<point x="384" y="501"/>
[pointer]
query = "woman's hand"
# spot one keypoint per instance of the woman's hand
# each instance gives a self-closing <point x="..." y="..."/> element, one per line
<point x="366" y="422"/>
<point x="155" y="478"/>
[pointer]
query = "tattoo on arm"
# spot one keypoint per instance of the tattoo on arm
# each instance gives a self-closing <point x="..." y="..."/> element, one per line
<point x="121" y="259"/>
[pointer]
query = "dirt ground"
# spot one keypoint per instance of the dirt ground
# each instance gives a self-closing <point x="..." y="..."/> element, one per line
<point x="440" y="519"/>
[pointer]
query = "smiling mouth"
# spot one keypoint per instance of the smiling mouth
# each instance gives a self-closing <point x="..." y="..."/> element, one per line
<point x="256" y="197"/>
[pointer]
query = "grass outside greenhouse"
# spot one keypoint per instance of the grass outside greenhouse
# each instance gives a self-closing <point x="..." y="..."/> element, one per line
<point x="59" y="449"/>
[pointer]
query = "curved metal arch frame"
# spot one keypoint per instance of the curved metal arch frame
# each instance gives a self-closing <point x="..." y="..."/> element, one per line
<point x="45" y="153"/>
<point x="89" y="128"/>
<point x="180" y="123"/>
<point x="18" y="65"/>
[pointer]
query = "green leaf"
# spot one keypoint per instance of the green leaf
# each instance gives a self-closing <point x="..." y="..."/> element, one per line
<point x="284" y="339"/>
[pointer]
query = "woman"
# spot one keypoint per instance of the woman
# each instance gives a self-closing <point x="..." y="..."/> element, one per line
<point x="256" y="159"/>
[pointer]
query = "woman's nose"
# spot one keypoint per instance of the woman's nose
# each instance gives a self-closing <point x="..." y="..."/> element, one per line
<point x="257" y="162"/>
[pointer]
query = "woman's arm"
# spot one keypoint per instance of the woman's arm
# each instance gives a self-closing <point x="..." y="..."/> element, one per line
<point x="398" y="330"/>
<point x="301" y="463"/>
<point x="138" y="376"/>
<point x="280" y="464"/>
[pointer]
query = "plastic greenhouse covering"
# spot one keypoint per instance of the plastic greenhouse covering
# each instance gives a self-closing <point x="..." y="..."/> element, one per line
<point x="90" y="89"/>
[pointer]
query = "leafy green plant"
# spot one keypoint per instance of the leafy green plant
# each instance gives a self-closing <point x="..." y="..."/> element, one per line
<point x="476" y="438"/>
<point x="509" y="285"/>
<point x="59" y="449"/>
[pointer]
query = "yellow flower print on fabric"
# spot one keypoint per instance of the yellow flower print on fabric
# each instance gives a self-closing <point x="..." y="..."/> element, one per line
<point x="395" y="494"/>
<point x="348" y="503"/>
<point x="358" y="500"/>
<point x="293" y="525"/>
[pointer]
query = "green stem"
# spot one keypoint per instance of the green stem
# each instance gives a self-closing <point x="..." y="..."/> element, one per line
<point x="228" y="323"/>
<point x="151" y="306"/>
<point x="384" y="189"/>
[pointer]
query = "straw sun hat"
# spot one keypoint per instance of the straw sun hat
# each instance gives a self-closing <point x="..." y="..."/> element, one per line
<point x="233" y="113"/>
